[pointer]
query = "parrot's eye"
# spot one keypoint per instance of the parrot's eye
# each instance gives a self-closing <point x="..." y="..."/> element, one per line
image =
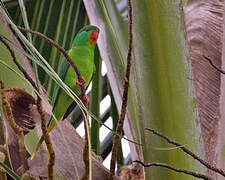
<point x="86" y="29"/>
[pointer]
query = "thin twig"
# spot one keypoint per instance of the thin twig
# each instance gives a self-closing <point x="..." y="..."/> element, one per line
<point x="192" y="173"/>
<point x="47" y="139"/>
<point x="82" y="96"/>
<point x="213" y="168"/>
<point x="213" y="65"/>
<point x="43" y="119"/>
<point x="119" y="127"/>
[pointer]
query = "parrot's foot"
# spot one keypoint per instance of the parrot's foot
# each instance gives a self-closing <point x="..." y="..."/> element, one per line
<point x="80" y="83"/>
<point x="87" y="99"/>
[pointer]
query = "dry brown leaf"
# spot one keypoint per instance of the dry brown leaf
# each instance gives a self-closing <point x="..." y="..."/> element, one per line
<point x="204" y="25"/>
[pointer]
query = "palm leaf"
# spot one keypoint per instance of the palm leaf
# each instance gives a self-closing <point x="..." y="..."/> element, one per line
<point x="161" y="94"/>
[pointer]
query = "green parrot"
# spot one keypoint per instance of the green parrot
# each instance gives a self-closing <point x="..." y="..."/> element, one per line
<point x="82" y="54"/>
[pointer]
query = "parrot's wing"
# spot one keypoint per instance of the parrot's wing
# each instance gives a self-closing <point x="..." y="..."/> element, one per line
<point x="62" y="74"/>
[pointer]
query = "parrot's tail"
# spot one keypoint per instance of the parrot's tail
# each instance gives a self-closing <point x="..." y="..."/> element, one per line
<point x="37" y="147"/>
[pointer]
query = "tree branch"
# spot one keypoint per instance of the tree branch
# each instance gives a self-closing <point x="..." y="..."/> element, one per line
<point x="215" y="169"/>
<point x="198" y="175"/>
<point x="120" y="123"/>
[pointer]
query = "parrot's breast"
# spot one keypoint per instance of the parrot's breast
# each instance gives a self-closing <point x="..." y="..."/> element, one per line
<point x="83" y="57"/>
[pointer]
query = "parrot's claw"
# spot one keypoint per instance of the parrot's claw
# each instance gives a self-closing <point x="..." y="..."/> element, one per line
<point x="80" y="83"/>
<point x="87" y="99"/>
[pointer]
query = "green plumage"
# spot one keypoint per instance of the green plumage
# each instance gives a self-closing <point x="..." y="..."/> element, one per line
<point x="82" y="54"/>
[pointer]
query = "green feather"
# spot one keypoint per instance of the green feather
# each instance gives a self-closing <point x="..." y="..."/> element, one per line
<point x="62" y="74"/>
<point x="82" y="54"/>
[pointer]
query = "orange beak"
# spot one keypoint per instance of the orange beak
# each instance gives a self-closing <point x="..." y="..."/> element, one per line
<point x="94" y="36"/>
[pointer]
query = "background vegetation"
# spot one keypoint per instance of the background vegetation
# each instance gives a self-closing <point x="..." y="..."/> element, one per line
<point x="164" y="77"/>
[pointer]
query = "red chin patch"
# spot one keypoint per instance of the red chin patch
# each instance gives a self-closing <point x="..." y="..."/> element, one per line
<point x="94" y="36"/>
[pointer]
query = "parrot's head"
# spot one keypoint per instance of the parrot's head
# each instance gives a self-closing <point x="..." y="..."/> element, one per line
<point x="87" y="36"/>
